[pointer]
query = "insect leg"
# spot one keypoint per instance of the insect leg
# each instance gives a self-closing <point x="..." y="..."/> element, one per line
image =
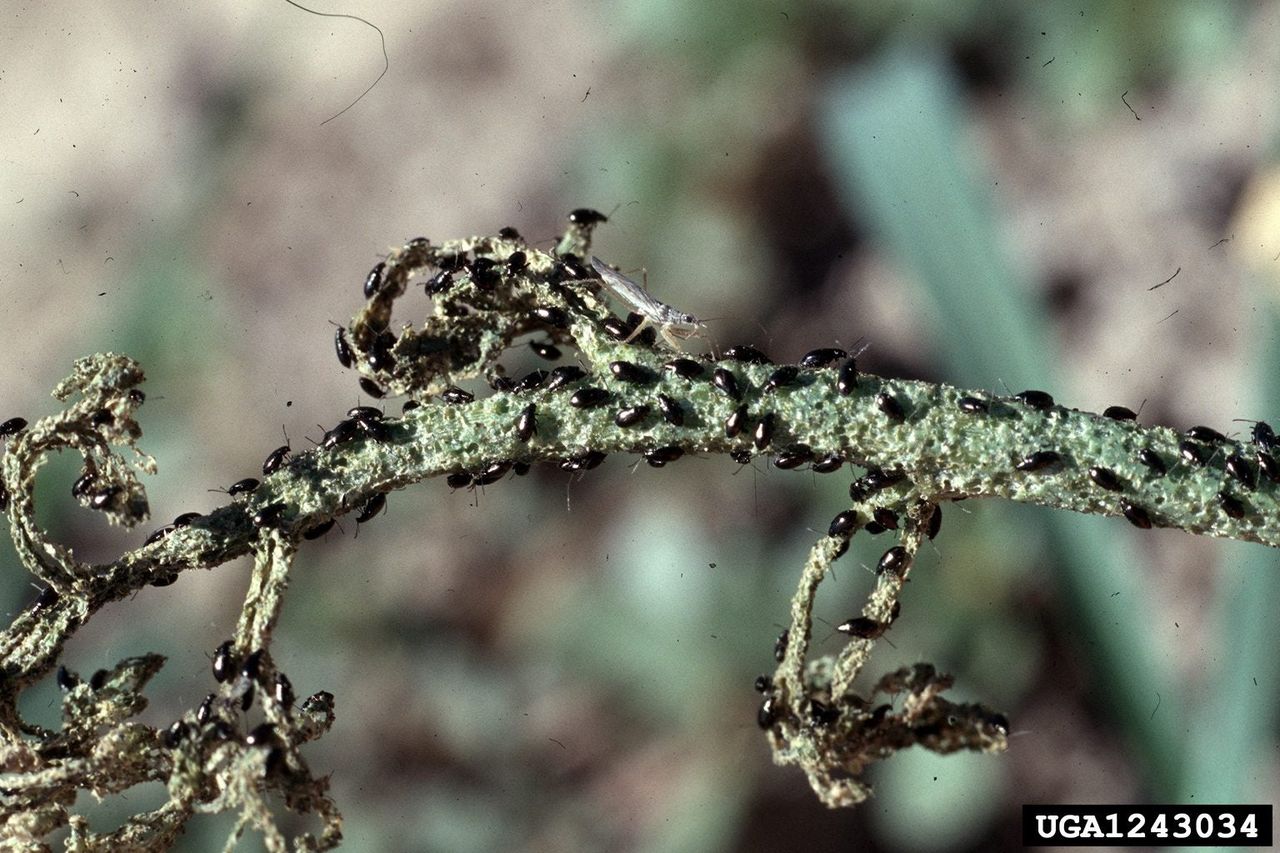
<point x="640" y="327"/>
<point x="671" y="339"/>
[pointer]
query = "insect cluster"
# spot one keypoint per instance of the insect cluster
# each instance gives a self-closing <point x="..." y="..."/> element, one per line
<point x="494" y="391"/>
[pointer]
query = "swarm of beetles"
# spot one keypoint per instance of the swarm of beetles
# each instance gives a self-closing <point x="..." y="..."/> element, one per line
<point x="489" y="292"/>
<point x="912" y="446"/>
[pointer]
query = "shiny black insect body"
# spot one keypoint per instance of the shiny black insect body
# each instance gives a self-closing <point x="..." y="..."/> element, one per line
<point x="243" y="487"/>
<point x="484" y="272"/>
<point x="1038" y="400"/>
<point x="66" y="680"/>
<point x="1206" y="434"/>
<point x="863" y="628"/>
<point x="780" y="646"/>
<point x="224" y="662"/>
<point x="1120" y="413"/>
<point x="1191" y="453"/>
<point x="885" y="517"/>
<point x="452" y="261"/>
<point x="973" y="405"/>
<point x="847" y="378"/>
<point x="631" y="415"/>
<point x="586" y="216"/>
<point x="662" y="455"/>
<point x="106" y="497"/>
<point x="828" y="464"/>
<point x="769" y="714"/>
<point x="80" y="488"/>
<point x="343" y="431"/>
<point x="83" y="485"/>
<point x="533" y="380"/>
<point x="793" y="457"/>
<point x="373" y="281"/>
<point x="516" y="262"/>
<point x="563" y="375"/>
<point x="1136" y="515"/>
<point x="889" y="404"/>
<point x="509" y="233"/>
<point x="1264" y="437"/>
<point x="895" y="561"/>
<point x="589" y="398"/>
<point x="671" y="410"/>
<point x="1152" y="460"/>
<point x="458" y="480"/>
<point x="877" y="479"/>
<point x="585" y="462"/>
<point x="822" y="357"/>
<point x="1231" y="505"/>
<point x="1039" y="461"/>
<point x="275" y="460"/>
<point x="12" y="427"/>
<point x="493" y="472"/>
<point x="569" y="267"/>
<point x="765" y="430"/>
<point x="372" y="507"/>
<point x="1269" y="467"/>
<point x="1106" y="478"/>
<point x="726" y="382"/>
<point x="617" y="329"/>
<point x="371" y="388"/>
<point x="282" y="690"/>
<point x="439" y="283"/>
<point x="746" y="355"/>
<point x="252" y="666"/>
<point x="843" y="524"/>
<point x="262" y="735"/>
<point x="935" y="522"/>
<point x="736" y="422"/>
<point x="269" y="515"/>
<point x="456" y="396"/>
<point x="822" y="714"/>
<point x="380" y="355"/>
<point x="781" y="378"/>
<point x="1239" y="468"/>
<point x="551" y="315"/>
<point x="174" y="735"/>
<point x="527" y="423"/>
<point x="684" y="368"/>
<point x="365" y="413"/>
<point x="157" y="535"/>
<point x="626" y="371"/>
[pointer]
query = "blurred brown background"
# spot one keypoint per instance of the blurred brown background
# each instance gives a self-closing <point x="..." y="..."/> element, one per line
<point x="984" y="192"/>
